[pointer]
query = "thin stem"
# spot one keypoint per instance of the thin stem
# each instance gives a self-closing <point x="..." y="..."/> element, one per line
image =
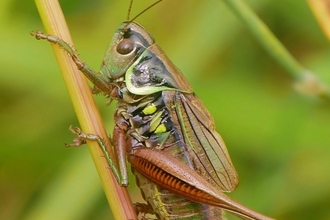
<point x="305" y="81"/>
<point x="85" y="108"/>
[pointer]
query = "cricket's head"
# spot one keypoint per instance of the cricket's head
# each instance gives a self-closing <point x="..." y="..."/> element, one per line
<point x="128" y="43"/>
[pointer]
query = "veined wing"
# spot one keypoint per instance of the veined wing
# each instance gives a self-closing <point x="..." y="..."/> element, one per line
<point x="205" y="145"/>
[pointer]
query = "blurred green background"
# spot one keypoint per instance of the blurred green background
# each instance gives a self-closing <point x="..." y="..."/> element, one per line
<point x="277" y="138"/>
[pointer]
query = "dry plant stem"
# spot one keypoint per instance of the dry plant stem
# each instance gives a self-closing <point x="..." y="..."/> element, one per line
<point x="321" y="10"/>
<point x="266" y="38"/>
<point x="85" y="107"/>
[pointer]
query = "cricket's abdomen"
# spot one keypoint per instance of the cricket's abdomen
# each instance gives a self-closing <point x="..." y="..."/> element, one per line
<point x="168" y="206"/>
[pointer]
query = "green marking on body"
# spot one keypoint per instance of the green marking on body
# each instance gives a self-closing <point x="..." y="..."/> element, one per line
<point x="160" y="129"/>
<point x="150" y="109"/>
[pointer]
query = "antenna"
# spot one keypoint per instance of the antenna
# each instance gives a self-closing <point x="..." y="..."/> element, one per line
<point x="138" y="15"/>
<point x="129" y="10"/>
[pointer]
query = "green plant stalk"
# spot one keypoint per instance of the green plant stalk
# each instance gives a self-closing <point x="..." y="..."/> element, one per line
<point x="305" y="81"/>
<point x="85" y="108"/>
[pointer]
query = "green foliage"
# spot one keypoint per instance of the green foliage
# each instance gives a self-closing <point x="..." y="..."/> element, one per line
<point x="277" y="138"/>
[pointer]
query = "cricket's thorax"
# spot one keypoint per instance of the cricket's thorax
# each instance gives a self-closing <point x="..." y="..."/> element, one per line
<point x="148" y="119"/>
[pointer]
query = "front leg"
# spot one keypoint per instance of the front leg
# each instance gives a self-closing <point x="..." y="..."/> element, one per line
<point x="93" y="76"/>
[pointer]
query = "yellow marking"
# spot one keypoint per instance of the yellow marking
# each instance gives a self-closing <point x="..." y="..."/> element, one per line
<point x="160" y="129"/>
<point x="150" y="109"/>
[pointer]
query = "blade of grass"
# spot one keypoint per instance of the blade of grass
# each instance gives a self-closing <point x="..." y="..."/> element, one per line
<point x="305" y="81"/>
<point x="321" y="10"/>
<point x="85" y="108"/>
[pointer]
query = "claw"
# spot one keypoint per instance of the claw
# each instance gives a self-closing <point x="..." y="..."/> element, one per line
<point x="75" y="130"/>
<point x="79" y="140"/>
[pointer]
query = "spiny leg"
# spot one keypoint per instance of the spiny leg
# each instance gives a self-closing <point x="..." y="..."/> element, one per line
<point x="94" y="77"/>
<point x="81" y="139"/>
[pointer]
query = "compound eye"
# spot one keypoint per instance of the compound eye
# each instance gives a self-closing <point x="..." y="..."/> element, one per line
<point x="125" y="47"/>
